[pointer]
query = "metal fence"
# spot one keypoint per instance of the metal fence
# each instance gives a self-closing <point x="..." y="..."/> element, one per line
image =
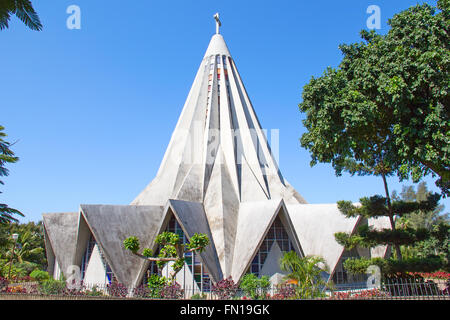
<point x="389" y="289"/>
<point x="397" y="289"/>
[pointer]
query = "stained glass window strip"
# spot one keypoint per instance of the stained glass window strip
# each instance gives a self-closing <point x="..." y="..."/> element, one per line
<point x="109" y="275"/>
<point x="276" y="233"/>
<point x="87" y="255"/>
<point x="193" y="261"/>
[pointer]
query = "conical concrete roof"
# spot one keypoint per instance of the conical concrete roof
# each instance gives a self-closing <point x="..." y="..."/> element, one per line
<point x="217" y="115"/>
<point x="217" y="45"/>
<point x="218" y="154"/>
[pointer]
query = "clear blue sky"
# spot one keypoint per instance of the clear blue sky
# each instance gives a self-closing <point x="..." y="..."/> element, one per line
<point x="92" y="110"/>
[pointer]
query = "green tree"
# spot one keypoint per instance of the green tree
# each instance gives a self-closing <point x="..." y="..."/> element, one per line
<point x="384" y="110"/>
<point x="4" y="239"/>
<point x="6" y="156"/>
<point x="29" y="252"/>
<point x="378" y="206"/>
<point x="418" y="227"/>
<point x="434" y="221"/>
<point x="22" y="9"/>
<point x="30" y="244"/>
<point x="420" y="218"/>
<point x="306" y="272"/>
<point x="24" y="249"/>
<point x="170" y="249"/>
<point x="255" y="287"/>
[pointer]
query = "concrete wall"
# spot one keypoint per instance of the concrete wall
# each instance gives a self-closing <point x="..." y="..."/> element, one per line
<point x="95" y="272"/>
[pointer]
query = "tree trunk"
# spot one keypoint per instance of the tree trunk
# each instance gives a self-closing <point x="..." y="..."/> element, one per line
<point x="391" y="215"/>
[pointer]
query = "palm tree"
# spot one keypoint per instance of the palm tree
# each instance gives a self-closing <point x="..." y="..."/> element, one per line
<point x="23" y="9"/>
<point x="6" y="156"/>
<point x="24" y="250"/>
<point x="305" y="272"/>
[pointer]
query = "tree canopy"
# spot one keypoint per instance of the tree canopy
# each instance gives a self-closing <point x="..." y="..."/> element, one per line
<point x="6" y="156"/>
<point x="306" y="272"/>
<point x="385" y="109"/>
<point x="420" y="235"/>
<point x="171" y="249"/>
<point x="29" y="253"/>
<point x="436" y="222"/>
<point x="22" y="9"/>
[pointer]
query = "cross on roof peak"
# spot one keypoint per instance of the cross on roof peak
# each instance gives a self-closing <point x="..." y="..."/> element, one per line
<point x="218" y="23"/>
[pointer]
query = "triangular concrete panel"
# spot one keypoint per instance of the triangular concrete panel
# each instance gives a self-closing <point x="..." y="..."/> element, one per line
<point x="255" y="219"/>
<point x="221" y="207"/>
<point x="49" y="253"/>
<point x="272" y="264"/>
<point x="315" y="226"/>
<point x="112" y="224"/>
<point x="95" y="271"/>
<point x="251" y="189"/>
<point x="83" y="236"/>
<point x="246" y="129"/>
<point x="191" y="188"/>
<point x="61" y="229"/>
<point x="378" y="224"/>
<point x="192" y="219"/>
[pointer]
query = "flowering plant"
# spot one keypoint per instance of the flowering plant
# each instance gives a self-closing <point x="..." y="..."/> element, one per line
<point x="225" y="289"/>
<point x="172" y="291"/>
<point x="15" y="289"/>
<point x="432" y="275"/>
<point x="3" y="283"/>
<point x="364" y="294"/>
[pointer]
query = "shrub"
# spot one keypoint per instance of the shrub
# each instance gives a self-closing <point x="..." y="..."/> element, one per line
<point x="52" y="287"/>
<point x="141" y="291"/>
<point x="116" y="289"/>
<point x="132" y="244"/>
<point x="3" y="284"/>
<point x="15" y="289"/>
<point x="198" y="296"/>
<point x="22" y="279"/>
<point x="27" y="268"/>
<point x="15" y="271"/>
<point x="393" y="266"/>
<point x="40" y="275"/>
<point x="156" y="284"/>
<point x="284" y="292"/>
<point x="432" y="275"/>
<point x="225" y="289"/>
<point x="94" y="292"/>
<point x="428" y="264"/>
<point x="255" y="287"/>
<point x="364" y="294"/>
<point x="172" y="291"/>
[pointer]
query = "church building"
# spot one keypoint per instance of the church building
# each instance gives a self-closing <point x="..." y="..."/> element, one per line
<point x="218" y="177"/>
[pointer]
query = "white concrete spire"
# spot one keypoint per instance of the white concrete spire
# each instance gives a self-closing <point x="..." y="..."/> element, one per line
<point x="217" y="46"/>
<point x="218" y="155"/>
<point x="218" y="119"/>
